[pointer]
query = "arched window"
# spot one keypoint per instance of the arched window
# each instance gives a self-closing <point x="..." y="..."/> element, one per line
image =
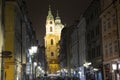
<point x="51" y="41"/>
<point x="52" y="54"/>
<point x="50" y="22"/>
<point x="50" y="29"/>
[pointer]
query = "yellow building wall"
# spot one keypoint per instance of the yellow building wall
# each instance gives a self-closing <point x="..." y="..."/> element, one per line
<point x="52" y="67"/>
<point x="9" y="40"/>
<point x="51" y="48"/>
<point x="53" y="32"/>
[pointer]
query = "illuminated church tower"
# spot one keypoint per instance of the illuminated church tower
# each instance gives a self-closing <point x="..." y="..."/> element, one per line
<point x="52" y="37"/>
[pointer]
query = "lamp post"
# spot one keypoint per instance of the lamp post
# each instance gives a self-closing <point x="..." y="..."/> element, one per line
<point x="116" y="70"/>
<point x="32" y="51"/>
<point x="40" y="69"/>
<point x="35" y="65"/>
<point x="87" y="69"/>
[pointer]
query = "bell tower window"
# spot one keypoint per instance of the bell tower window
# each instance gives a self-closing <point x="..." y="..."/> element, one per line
<point x="50" y="22"/>
<point x="51" y="41"/>
<point x="51" y="29"/>
<point x="52" y="54"/>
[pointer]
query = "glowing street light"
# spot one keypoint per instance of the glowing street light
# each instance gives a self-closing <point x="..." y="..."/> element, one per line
<point x="30" y="51"/>
<point x="87" y="64"/>
<point x="35" y="64"/>
<point x="33" y="50"/>
<point x="39" y="68"/>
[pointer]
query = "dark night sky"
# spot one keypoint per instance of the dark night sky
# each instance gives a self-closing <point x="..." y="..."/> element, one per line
<point x="69" y="11"/>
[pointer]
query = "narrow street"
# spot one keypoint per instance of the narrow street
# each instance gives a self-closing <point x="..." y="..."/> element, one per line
<point x="59" y="40"/>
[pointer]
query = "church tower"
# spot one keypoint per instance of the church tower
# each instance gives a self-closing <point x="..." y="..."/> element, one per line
<point x="52" y="37"/>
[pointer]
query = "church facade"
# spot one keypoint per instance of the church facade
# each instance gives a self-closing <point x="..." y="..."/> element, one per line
<point x="52" y="37"/>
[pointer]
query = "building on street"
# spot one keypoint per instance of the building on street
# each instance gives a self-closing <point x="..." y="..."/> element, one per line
<point x="110" y="38"/>
<point x="93" y="41"/>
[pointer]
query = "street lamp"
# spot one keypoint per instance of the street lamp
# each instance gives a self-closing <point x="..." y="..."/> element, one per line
<point x="32" y="51"/>
<point x="87" y="67"/>
<point x="35" y="66"/>
<point x="87" y="64"/>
